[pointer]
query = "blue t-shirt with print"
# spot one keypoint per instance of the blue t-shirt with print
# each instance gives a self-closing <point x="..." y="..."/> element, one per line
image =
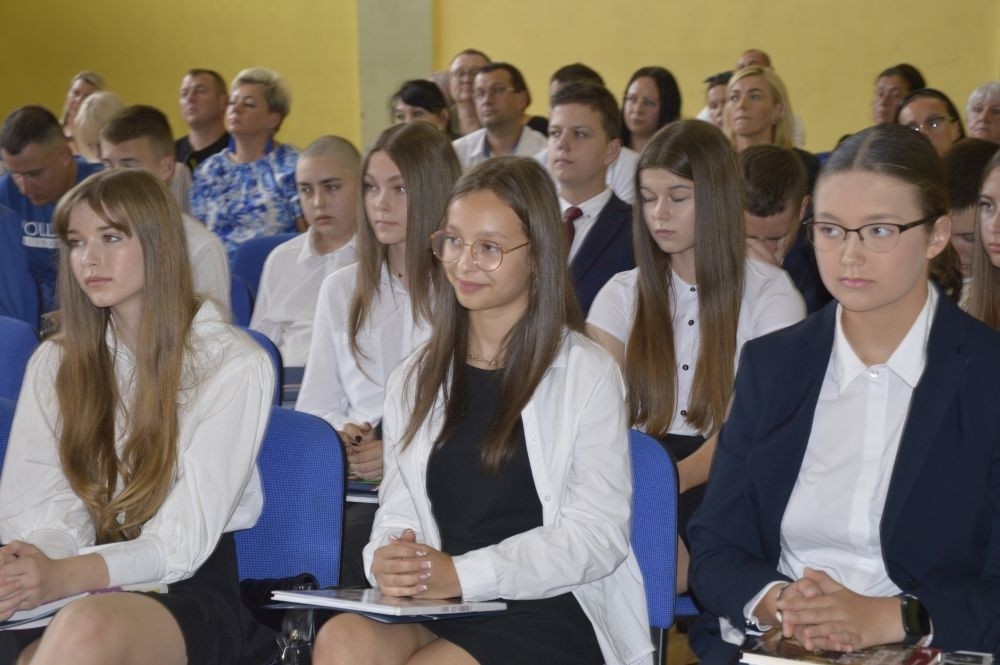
<point x="37" y="235"/>
<point x="18" y="292"/>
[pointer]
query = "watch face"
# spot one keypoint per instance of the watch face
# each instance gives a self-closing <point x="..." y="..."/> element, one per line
<point x="916" y="621"/>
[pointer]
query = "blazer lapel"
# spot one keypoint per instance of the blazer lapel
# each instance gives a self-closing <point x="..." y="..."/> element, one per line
<point x="603" y="233"/>
<point x="931" y="398"/>
<point x="781" y="449"/>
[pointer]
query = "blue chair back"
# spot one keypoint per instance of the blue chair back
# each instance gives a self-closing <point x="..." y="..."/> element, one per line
<point x="240" y="300"/>
<point x="18" y="343"/>
<point x="248" y="262"/>
<point x="654" y="526"/>
<point x="6" y="418"/>
<point x="302" y="469"/>
<point x="275" y="353"/>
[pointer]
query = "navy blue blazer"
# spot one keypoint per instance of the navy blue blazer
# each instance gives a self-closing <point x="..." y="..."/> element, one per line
<point x="606" y="251"/>
<point x="940" y="528"/>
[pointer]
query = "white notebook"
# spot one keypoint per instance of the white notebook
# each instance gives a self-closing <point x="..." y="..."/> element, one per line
<point x="371" y="601"/>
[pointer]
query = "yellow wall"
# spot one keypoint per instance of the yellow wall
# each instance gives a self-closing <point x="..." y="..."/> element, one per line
<point x="827" y="51"/>
<point x="143" y="49"/>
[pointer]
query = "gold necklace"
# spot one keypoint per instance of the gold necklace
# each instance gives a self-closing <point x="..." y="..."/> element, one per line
<point x="483" y="361"/>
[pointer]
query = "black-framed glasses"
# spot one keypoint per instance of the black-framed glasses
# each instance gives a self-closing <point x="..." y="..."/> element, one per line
<point x="879" y="237"/>
<point x="486" y="254"/>
<point x="932" y="125"/>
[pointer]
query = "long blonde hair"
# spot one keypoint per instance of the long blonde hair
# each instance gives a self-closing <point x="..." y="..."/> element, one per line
<point x="137" y="204"/>
<point x="696" y="151"/>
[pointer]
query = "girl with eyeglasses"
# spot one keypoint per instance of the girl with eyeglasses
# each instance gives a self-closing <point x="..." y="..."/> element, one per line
<point x="854" y="493"/>
<point x="374" y="313"/>
<point x="676" y="323"/>
<point x="132" y="452"/>
<point x="507" y="466"/>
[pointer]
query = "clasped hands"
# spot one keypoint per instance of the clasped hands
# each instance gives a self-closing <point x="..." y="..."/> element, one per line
<point x="28" y="578"/>
<point x="364" y="451"/>
<point x="823" y="614"/>
<point x="405" y="567"/>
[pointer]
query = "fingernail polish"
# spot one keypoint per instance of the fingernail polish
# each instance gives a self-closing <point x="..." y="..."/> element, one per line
<point x="421" y="588"/>
<point x="421" y="553"/>
<point x="425" y="576"/>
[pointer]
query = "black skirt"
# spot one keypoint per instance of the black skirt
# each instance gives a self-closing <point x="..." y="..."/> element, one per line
<point x="206" y="606"/>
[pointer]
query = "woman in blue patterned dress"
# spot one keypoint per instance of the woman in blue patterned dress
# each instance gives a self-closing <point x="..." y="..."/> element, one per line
<point x="248" y="189"/>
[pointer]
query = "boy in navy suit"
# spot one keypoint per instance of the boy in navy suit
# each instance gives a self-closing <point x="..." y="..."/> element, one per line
<point x="584" y="140"/>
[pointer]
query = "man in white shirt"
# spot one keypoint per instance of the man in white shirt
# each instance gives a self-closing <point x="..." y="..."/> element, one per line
<point x="326" y="176"/>
<point x="139" y="137"/>
<point x="584" y="140"/>
<point x="501" y="96"/>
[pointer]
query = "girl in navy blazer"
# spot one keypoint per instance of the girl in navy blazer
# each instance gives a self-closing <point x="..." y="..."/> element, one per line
<point x="854" y="497"/>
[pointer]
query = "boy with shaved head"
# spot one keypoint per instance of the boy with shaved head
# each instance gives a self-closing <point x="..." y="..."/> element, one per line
<point x="326" y="176"/>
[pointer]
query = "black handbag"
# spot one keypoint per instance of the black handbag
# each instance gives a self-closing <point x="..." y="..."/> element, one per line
<point x="296" y="628"/>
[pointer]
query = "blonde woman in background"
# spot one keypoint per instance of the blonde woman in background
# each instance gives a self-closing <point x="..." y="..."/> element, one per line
<point x="759" y="110"/>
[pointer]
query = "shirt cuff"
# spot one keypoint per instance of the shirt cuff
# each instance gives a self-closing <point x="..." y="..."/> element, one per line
<point x="752" y="605"/>
<point x="133" y="562"/>
<point x="476" y="575"/>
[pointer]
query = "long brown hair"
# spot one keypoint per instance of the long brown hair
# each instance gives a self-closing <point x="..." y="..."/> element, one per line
<point x="985" y="301"/>
<point x="429" y="168"/>
<point x="699" y="152"/>
<point x="532" y="344"/>
<point x="137" y="204"/>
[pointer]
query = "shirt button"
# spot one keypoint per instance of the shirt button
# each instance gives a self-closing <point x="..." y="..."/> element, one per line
<point x="691" y="322"/>
<point x="684" y="367"/>
<point x="873" y="372"/>
<point x="693" y="289"/>
<point x="684" y="412"/>
<point x="548" y="498"/>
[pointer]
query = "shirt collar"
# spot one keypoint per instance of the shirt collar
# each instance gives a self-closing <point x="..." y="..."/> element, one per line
<point x="483" y="148"/>
<point x="592" y="207"/>
<point x="308" y="251"/>
<point x="907" y="361"/>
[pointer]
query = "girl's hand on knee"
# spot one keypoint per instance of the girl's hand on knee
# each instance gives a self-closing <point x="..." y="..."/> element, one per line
<point x="34" y="576"/>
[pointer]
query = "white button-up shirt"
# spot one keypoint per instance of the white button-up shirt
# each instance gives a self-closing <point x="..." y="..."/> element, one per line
<point x="770" y="302"/>
<point x="473" y="148"/>
<point x="221" y="419"/>
<point x="289" y="287"/>
<point x="338" y="386"/>
<point x="591" y="209"/>
<point x="209" y="264"/>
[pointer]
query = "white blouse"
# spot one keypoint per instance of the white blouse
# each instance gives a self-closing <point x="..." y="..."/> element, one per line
<point x="770" y="302"/>
<point x="289" y="287"/>
<point x="339" y="387"/>
<point x="221" y="418"/>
